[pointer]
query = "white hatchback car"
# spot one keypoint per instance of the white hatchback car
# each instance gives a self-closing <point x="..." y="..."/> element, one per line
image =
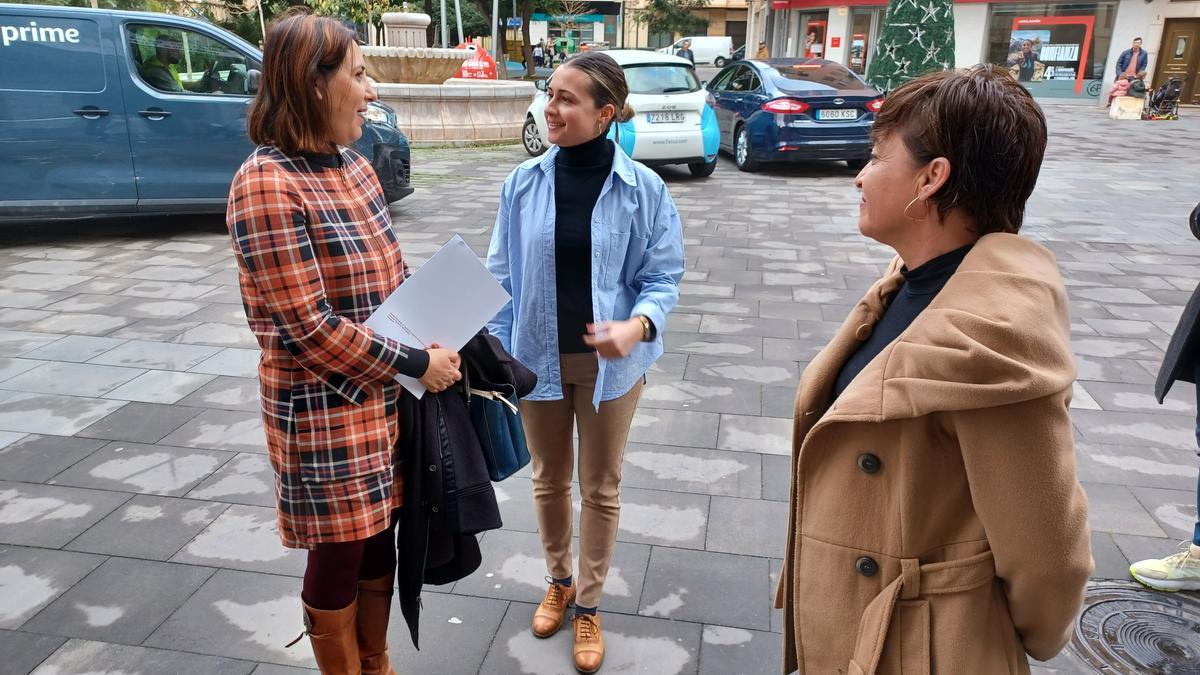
<point x="672" y="122"/>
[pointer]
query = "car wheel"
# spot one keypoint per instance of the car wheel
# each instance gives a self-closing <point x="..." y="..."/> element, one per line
<point x="530" y="139"/>
<point x="856" y="164"/>
<point x="741" y="151"/>
<point x="720" y="62"/>
<point x="703" y="169"/>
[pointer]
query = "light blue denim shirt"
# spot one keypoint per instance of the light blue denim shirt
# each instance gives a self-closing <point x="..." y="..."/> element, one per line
<point x="637" y="262"/>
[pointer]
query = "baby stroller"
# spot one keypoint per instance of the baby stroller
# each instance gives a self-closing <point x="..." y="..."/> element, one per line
<point x="1163" y="103"/>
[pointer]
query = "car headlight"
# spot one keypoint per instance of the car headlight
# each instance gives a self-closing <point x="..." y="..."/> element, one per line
<point x="378" y="115"/>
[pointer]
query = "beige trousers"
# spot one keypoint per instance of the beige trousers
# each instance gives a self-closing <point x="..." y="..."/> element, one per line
<point x="602" y="436"/>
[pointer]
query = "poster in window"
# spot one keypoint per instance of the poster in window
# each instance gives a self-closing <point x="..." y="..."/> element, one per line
<point x="814" y="40"/>
<point x="1024" y="50"/>
<point x="858" y="52"/>
<point x="1048" y="48"/>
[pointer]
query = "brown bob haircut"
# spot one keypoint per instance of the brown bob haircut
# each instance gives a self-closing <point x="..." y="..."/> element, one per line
<point x="989" y="128"/>
<point x="301" y="53"/>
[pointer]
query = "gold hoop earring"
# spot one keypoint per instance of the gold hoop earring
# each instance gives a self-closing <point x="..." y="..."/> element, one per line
<point x="914" y="201"/>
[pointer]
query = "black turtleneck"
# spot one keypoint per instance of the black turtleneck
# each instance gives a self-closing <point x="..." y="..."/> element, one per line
<point x="914" y="295"/>
<point x="328" y="160"/>
<point x="579" y="174"/>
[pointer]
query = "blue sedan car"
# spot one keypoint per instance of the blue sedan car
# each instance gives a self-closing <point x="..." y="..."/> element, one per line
<point x="779" y="110"/>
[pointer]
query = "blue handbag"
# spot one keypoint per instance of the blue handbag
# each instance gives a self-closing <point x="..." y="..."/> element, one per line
<point x="497" y="421"/>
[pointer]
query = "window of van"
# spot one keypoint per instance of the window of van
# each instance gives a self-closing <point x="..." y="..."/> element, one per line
<point x="180" y="61"/>
<point x="41" y="53"/>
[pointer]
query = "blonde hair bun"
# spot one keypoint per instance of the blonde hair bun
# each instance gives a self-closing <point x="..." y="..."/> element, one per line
<point x="627" y="112"/>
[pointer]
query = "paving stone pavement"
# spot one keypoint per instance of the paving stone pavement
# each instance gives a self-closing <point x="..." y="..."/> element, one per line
<point x="136" y="524"/>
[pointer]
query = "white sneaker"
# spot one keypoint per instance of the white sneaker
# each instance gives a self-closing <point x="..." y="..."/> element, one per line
<point x="1179" y="572"/>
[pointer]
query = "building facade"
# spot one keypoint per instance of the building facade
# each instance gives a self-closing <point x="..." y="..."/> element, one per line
<point x="1074" y="45"/>
<point x="724" y="17"/>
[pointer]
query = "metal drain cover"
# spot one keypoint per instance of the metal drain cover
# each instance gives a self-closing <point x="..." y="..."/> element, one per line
<point x="1125" y="628"/>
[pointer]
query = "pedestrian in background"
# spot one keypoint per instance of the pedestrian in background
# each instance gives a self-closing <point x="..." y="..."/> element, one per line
<point x="1180" y="571"/>
<point x="685" y="52"/>
<point x="586" y="315"/>
<point x="316" y="254"/>
<point x="1133" y="62"/>
<point x="936" y="523"/>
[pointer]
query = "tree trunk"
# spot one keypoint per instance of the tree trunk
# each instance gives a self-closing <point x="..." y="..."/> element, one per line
<point x="429" y="32"/>
<point x="527" y="48"/>
<point x="501" y="50"/>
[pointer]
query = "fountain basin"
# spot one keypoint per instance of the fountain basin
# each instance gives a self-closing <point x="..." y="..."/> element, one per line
<point x="459" y="112"/>
<point x="418" y="65"/>
<point x="432" y="106"/>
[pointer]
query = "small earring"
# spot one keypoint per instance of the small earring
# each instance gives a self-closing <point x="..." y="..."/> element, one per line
<point x="914" y="201"/>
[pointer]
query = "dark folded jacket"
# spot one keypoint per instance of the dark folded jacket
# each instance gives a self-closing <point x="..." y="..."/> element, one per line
<point x="448" y="494"/>
<point x="489" y="367"/>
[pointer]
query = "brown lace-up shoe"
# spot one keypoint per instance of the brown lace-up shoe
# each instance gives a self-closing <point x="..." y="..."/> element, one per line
<point x="589" y="643"/>
<point x="550" y="614"/>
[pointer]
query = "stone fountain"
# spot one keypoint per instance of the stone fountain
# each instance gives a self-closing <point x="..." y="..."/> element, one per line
<point x="434" y="107"/>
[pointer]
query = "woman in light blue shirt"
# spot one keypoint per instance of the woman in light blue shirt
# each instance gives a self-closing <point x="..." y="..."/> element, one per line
<point x="589" y="244"/>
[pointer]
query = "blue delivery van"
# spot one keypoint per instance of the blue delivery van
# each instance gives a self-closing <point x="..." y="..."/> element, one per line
<point x="108" y="112"/>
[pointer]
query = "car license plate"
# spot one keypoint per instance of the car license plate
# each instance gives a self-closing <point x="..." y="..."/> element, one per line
<point x="664" y="117"/>
<point x="835" y="114"/>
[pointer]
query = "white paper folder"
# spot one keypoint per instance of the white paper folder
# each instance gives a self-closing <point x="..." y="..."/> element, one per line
<point x="445" y="302"/>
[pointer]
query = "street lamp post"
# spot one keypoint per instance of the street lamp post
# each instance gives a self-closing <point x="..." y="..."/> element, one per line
<point x="458" y="18"/>
<point x="262" y="22"/>
<point x="496" y="30"/>
<point x="445" y="27"/>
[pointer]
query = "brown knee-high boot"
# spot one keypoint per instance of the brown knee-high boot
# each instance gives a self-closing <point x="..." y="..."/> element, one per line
<point x="374" y="609"/>
<point x="334" y="644"/>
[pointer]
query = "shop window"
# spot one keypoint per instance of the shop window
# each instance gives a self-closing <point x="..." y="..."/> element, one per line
<point x="1056" y="51"/>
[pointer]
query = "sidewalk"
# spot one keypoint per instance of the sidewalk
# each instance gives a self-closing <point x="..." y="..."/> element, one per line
<point x="136" y="518"/>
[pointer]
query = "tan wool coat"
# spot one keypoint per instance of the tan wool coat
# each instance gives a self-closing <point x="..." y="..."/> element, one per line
<point x="937" y="524"/>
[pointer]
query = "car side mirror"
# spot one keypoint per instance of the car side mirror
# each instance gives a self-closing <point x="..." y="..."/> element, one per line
<point x="540" y="84"/>
<point x="253" y="76"/>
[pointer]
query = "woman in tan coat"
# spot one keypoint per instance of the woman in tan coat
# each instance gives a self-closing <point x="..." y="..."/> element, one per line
<point x="936" y="521"/>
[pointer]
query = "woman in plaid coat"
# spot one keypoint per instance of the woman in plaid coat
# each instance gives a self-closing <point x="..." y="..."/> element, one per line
<point x="316" y="255"/>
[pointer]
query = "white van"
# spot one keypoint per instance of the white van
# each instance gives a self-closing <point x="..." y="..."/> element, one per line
<point x="714" y="49"/>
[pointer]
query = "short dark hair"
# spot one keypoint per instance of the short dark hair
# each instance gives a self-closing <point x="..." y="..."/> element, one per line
<point x="301" y="52"/>
<point x="608" y="82"/>
<point x="989" y="128"/>
<point x="1137" y="39"/>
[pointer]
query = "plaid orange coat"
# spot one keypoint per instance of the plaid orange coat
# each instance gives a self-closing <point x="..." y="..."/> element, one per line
<point x="316" y="255"/>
